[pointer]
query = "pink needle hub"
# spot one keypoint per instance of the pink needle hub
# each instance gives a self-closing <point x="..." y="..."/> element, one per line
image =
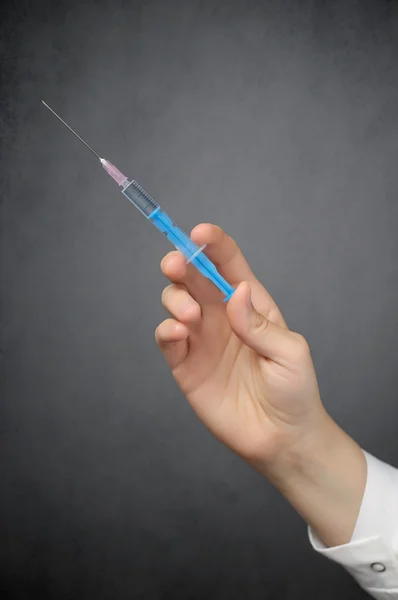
<point x="113" y="172"/>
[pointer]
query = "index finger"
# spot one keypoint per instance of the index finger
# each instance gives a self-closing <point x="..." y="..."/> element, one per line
<point x="223" y="251"/>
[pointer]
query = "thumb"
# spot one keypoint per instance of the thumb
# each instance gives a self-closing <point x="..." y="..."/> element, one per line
<point x="254" y="329"/>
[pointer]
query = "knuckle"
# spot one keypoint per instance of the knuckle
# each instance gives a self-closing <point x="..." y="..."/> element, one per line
<point x="302" y="348"/>
<point x="189" y="307"/>
<point x="260" y="324"/>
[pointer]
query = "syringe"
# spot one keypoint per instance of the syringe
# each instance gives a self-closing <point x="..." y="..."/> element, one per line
<point x="154" y="213"/>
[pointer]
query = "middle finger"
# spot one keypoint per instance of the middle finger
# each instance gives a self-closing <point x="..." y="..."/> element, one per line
<point x="175" y="268"/>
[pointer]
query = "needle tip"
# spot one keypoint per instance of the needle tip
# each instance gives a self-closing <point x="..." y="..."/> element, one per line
<point x="70" y="129"/>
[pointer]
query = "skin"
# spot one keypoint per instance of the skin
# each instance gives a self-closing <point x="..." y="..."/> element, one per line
<point x="251" y="381"/>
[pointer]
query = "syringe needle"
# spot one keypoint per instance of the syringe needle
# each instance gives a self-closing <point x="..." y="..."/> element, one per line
<point x="161" y="220"/>
<point x="108" y="166"/>
<point x="70" y="129"/>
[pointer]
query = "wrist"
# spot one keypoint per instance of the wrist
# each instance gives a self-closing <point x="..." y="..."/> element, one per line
<point x="294" y="448"/>
<point x="323" y="476"/>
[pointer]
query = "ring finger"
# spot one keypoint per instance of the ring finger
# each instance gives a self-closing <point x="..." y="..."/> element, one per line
<point x="180" y="304"/>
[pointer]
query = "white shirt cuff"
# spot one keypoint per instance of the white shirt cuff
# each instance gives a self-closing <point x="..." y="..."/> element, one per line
<point x="371" y="556"/>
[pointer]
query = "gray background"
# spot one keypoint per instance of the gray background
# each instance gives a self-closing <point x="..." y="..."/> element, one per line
<point x="278" y="121"/>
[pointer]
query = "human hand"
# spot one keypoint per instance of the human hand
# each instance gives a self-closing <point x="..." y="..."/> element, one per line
<point x="249" y="378"/>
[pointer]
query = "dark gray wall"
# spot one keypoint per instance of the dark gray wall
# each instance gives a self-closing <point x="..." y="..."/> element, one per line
<point x="277" y="120"/>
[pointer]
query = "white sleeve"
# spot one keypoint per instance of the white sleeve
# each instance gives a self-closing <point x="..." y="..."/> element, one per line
<point x="371" y="556"/>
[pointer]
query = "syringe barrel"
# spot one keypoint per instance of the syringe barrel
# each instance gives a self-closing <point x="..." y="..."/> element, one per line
<point x="190" y="250"/>
<point x="176" y="236"/>
<point x="140" y="198"/>
<point x="180" y="240"/>
<point x="151" y="209"/>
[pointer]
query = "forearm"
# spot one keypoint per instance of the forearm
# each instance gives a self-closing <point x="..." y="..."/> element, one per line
<point x="324" y="480"/>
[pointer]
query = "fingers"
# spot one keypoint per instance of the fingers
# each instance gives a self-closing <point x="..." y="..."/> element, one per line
<point x="172" y="339"/>
<point x="220" y="248"/>
<point x="175" y="268"/>
<point x="180" y="304"/>
<point x="259" y="333"/>
<point x="223" y="251"/>
<point x="172" y="334"/>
